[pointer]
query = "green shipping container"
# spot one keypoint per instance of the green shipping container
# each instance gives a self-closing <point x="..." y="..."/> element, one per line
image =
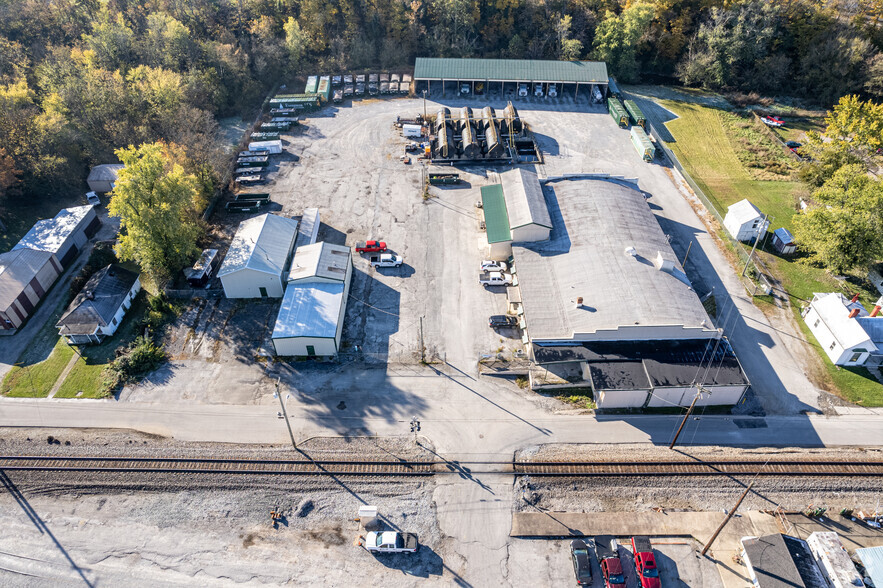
<point x="312" y="84"/>
<point x="617" y="111"/>
<point x="635" y="114"/>
<point x="325" y="88"/>
<point x="643" y="144"/>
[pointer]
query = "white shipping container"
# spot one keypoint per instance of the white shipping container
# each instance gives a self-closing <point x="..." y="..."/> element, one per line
<point x="833" y="560"/>
<point x="268" y="146"/>
<point x="412" y="131"/>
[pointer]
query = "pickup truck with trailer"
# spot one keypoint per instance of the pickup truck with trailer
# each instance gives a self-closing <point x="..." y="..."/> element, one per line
<point x="386" y="260"/>
<point x="608" y="558"/>
<point x="494" y="279"/>
<point x="372" y="246"/>
<point x="645" y="563"/>
<point x="391" y="542"/>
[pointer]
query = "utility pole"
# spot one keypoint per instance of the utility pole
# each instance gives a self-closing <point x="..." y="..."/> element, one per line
<point x="424" y="106"/>
<point x="686" y="416"/>
<point x="726" y="520"/>
<point x="285" y="414"/>
<point x="687" y="254"/>
<point x="422" y="346"/>
<point x="756" y="240"/>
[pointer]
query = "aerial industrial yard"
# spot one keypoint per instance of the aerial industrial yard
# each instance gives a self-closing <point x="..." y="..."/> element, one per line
<point x="334" y="352"/>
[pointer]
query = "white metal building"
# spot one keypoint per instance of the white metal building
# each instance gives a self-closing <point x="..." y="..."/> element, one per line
<point x="65" y="235"/>
<point x="514" y="211"/>
<point x="257" y="260"/>
<point x="833" y="560"/>
<point x="311" y="317"/>
<point x="744" y="221"/>
<point x="103" y="177"/>
<point x="98" y="309"/>
<point x="836" y="323"/>
<point x="25" y="277"/>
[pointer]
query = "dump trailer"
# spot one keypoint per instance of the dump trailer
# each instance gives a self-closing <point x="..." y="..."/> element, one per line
<point x="617" y="111"/>
<point x="444" y="143"/>
<point x="613" y="88"/>
<point x="243" y="206"/>
<point x="312" y="85"/>
<point x="268" y="136"/>
<point x="469" y="146"/>
<point x="261" y="197"/>
<point x="275" y="126"/>
<point x="443" y="119"/>
<point x="444" y="178"/>
<point x="635" y="114"/>
<point x="643" y="144"/>
<point x="253" y="161"/>
<point x="286" y="111"/>
<point x="324" y="90"/>
<point x="514" y="126"/>
<point x="493" y="146"/>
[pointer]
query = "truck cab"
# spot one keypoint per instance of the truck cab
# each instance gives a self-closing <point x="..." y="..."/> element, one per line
<point x="464" y="88"/>
<point x="553" y="90"/>
<point x="522" y="89"/>
<point x="538" y="90"/>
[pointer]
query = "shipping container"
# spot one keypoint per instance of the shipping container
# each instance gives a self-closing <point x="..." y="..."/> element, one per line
<point x="635" y="114"/>
<point x="312" y="85"/>
<point x="618" y="112"/>
<point x="643" y="144"/>
<point x="412" y="131"/>
<point x="325" y="88"/>
<point x="268" y="146"/>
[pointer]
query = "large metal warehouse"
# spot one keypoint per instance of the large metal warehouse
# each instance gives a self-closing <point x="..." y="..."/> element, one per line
<point x="25" y="277"/>
<point x="310" y="319"/>
<point x="65" y="235"/>
<point x="514" y="211"/>
<point x="258" y="257"/>
<point x="449" y="74"/>
<point x="606" y="299"/>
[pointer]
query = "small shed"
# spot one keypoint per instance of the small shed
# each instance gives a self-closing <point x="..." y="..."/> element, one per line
<point x="529" y="218"/>
<point x="201" y="272"/>
<point x="65" y="235"/>
<point x="103" y="177"/>
<point x="783" y="242"/>
<point x="745" y="222"/>
<point x="496" y="221"/>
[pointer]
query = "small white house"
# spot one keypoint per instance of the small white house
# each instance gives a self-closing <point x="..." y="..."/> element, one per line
<point x="97" y="311"/>
<point x="257" y="260"/>
<point x="836" y="323"/>
<point x="311" y="317"/>
<point x="745" y="222"/>
<point x="102" y="178"/>
<point x="65" y="235"/>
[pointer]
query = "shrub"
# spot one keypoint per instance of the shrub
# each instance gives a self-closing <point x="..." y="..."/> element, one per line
<point x="102" y="256"/>
<point x="133" y="362"/>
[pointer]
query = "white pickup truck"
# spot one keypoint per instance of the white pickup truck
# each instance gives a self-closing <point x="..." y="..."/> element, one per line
<point x="391" y="542"/>
<point x="495" y="279"/>
<point x="386" y="260"/>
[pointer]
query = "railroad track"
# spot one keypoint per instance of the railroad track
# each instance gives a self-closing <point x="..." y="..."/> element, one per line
<point x="429" y="468"/>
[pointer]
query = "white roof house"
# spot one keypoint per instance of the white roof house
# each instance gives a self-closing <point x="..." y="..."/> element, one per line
<point x="612" y="254"/>
<point x="744" y="221"/>
<point x="836" y="323"/>
<point x="311" y="317"/>
<point x="64" y="235"/>
<point x="258" y="257"/>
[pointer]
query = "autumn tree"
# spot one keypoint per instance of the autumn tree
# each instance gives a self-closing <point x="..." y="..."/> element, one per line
<point x="154" y="199"/>
<point x="844" y="227"/>
<point x="617" y="38"/>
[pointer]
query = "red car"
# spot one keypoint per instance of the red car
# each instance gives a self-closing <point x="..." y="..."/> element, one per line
<point x="611" y="571"/>
<point x="371" y="247"/>
<point x="645" y="563"/>
<point x="773" y="121"/>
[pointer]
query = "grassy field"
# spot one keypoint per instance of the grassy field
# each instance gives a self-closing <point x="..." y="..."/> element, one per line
<point x="707" y="145"/>
<point x="36" y="380"/>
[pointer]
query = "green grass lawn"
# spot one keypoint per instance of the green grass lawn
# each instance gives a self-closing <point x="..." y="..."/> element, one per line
<point x="706" y="147"/>
<point x="36" y="380"/>
<point x="86" y="377"/>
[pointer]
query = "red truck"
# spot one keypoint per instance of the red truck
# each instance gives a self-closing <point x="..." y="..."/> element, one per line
<point x="645" y="563"/>
<point x="371" y="247"/>
<point x="608" y="558"/>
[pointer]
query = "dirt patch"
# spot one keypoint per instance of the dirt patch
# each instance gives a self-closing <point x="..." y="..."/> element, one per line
<point x="328" y="537"/>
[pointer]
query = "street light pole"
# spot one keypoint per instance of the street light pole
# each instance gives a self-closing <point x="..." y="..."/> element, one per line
<point x="285" y="414"/>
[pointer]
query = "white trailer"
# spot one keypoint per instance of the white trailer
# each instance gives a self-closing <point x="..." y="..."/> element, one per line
<point x="833" y="560"/>
<point x="274" y="147"/>
<point x="412" y="131"/>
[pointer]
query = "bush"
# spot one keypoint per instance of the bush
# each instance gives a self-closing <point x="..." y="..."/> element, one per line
<point x="159" y="312"/>
<point x="133" y="362"/>
<point x="102" y="256"/>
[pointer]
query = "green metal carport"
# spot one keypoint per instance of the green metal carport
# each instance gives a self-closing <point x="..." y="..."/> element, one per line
<point x="532" y="71"/>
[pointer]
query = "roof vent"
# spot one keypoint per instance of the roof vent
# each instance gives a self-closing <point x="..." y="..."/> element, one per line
<point x="631" y="251"/>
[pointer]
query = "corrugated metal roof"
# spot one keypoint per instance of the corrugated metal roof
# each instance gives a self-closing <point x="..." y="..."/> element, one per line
<point x="527" y="70"/>
<point x="17" y="269"/>
<point x="496" y="218"/>
<point x="781" y="561"/>
<point x="525" y="202"/>
<point x="310" y="309"/>
<point x="105" y="172"/>
<point x="262" y="243"/>
<point x="743" y="211"/>
<point x="872" y="559"/>
<point x="98" y="301"/>
<point x="320" y="260"/>
<point x="308" y="230"/>
<point x="784" y="235"/>
<point x="50" y="234"/>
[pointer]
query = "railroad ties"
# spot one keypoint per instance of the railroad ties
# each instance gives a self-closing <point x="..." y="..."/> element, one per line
<point x="700" y="468"/>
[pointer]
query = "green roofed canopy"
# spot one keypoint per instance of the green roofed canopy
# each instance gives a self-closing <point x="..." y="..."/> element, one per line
<point x="496" y="217"/>
<point x="510" y="70"/>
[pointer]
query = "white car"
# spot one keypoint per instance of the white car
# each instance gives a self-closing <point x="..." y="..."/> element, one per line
<point x="489" y="265"/>
<point x="553" y="90"/>
<point x="391" y="542"/>
<point x="93" y="199"/>
<point x="538" y="90"/>
<point x="522" y="90"/>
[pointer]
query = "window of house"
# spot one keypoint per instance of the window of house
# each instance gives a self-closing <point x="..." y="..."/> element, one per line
<point x="816" y="324"/>
<point x="854" y="357"/>
<point x="832" y="345"/>
<point x="114" y="321"/>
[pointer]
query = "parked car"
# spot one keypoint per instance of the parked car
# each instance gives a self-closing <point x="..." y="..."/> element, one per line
<point x="502" y="321"/>
<point x="372" y="246"/>
<point x="538" y="90"/>
<point x="522" y="89"/>
<point x="773" y="121"/>
<point x="495" y="279"/>
<point x="793" y="144"/>
<point x="93" y="199"/>
<point x="645" y="563"/>
<point x="391" y="542"/>
<point x="489" y="265"/>
<point x="385" y="260"/>
<point x="608" y="558"/>
<point x="553" y="90"/>
<point x="582" y="564"/>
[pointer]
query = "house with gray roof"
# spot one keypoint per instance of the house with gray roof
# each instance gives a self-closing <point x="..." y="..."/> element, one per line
<point x="97" y="311"/>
